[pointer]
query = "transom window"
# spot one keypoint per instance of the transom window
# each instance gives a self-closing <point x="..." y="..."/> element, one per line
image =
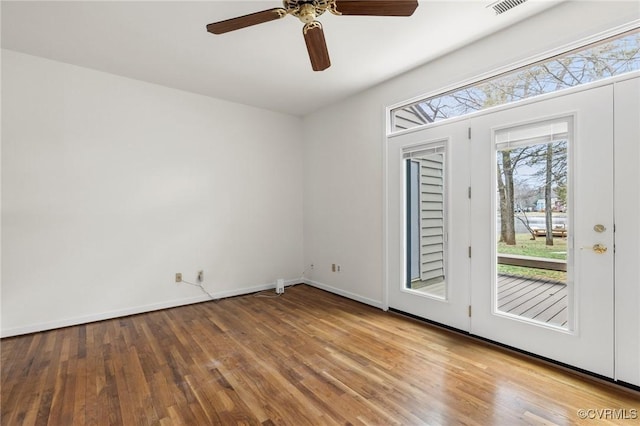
<point x="608" y="58"/>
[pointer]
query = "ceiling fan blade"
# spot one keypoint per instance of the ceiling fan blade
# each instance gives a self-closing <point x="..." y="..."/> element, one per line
<point x="316" y="46"/>
<point x="246" y="20"/>
<point x="377" y="7"/>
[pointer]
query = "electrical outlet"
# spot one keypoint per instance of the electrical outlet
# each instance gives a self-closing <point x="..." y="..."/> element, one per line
<point x="178" y="277"/>
<point x="312" y="266"/>
<point x="200" y="276"/>
<point x="338" y="268"/>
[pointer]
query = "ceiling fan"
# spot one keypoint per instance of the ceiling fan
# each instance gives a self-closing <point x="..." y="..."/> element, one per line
<point x="308" y="10"/>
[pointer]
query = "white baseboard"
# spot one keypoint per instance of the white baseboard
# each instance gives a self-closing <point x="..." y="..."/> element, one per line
<point x="50" y="325"/>
<point x="348" y="295"/>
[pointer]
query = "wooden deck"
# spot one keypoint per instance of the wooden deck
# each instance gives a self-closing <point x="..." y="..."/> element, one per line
<point x="436" y="290"/>
<point x="541" y="300"/>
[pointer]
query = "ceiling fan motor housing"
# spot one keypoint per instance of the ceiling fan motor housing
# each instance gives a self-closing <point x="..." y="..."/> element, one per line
<point x="307" y="11"/>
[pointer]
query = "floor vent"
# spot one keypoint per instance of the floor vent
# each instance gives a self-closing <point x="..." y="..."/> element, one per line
<point x="504" y="5"/>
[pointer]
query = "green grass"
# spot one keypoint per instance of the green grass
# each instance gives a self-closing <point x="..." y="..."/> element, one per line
<point x="526" y="247"/>
<point x="536" y="248"/>
<point x="538" y="274"/>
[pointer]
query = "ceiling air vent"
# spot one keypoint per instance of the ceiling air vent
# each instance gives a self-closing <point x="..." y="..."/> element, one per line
<point x="504" y="5"/>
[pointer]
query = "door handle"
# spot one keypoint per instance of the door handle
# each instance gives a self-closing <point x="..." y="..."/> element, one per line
<point x="598" y="248"/>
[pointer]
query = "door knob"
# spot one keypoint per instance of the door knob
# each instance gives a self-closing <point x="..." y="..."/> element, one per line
<point x="598" y="248"/>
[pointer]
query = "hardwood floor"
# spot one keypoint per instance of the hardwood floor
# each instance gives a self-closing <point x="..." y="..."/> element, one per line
<point x="307" y="357"/>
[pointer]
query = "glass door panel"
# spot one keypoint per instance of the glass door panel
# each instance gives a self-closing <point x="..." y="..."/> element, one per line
<point x="532" y="210"/>
<point x="425" y="220"/>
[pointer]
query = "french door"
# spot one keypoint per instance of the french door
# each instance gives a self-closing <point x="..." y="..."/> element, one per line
<point x="558" y="304"/>
<point x="514" y="240"/>
<point x="428" y="224"/>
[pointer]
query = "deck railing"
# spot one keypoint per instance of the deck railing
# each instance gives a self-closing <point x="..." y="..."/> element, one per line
<point x="532" y="262"/>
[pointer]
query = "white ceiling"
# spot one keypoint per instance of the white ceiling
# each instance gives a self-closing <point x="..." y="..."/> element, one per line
<point x="266" y="65"/>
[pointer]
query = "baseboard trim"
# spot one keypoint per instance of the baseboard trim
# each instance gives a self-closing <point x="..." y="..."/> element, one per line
<point x="67" y="322"/>
<point x="348" y="295"/>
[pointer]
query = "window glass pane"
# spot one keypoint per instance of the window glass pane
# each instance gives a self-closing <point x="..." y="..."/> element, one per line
<point x="425" y="219"/>
<point x="413" y="213"/>
<point x="609" y="58"/>
<point x="531" y="223"/>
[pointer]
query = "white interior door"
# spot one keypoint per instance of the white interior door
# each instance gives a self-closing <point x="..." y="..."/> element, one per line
<point x="427" y="259"/>
<point x="578" y="330"/>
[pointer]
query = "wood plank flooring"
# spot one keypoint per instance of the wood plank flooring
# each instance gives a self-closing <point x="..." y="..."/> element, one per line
<point x="305" y="358"/>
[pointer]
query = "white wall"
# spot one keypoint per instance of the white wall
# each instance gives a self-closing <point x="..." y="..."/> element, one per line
<point x="110" y="186"/>
<point x="343" y="155"/>
<point x="343" y="199"/>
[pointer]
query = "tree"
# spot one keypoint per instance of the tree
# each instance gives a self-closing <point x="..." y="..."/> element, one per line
<point x="546" y="165"/>
<point x="505" y="191"/>
<point x="548" y="208"/>
<point x="525" y="196"/>
<point x="508" y="161"/>
<point x="550" y="161"/>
